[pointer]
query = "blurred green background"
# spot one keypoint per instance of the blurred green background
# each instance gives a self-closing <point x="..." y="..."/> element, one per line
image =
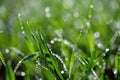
<point x="92" y="26"/>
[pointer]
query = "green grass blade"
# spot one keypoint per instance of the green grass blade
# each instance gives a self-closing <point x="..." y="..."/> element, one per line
<point x="48" y="54"/>
<point x="47" y="74"/>
<point x="24" y="59"/>
<point x="9" y="73"/>
<point x="71" y="64"/>
<point x="17" y="51"/>
<point x="2" y="59"/>
<point x="91" y="42"/>
<point x="29" y="44"/>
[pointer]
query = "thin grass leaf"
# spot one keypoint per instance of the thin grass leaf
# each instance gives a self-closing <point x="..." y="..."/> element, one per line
<point x="29" y="44"/>
<point x="9" y="73"/>
<point x="2" y="59"/>
<point x="91" y="42"/>
<point x="47" y="74"/>
<point x="117" y="63"/>
<point x="90" y="11"/>
<point x="24" y="59"/>
<point x="20" y="21"/>
<point x="36" y="41"/>
<point x="71" y="64"/>
<point x="49" y="57"/>
<point x="17" y="51"/>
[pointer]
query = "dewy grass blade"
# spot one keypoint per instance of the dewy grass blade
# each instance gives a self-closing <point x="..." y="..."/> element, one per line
<point x="26" y="29"/>
<point x="24" y="59"/>
<point x="49" y="57"/>
<point x="2" y="58"/>
<point x="17" y="51"/>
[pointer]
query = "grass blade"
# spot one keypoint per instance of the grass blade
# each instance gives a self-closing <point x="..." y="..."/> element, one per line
<point x="51" y="61"/>
<point x="71" y="65"/>
<point x="2" y="59"/>
<point x="24" y="59"/>
<point x="9" y="73"/>
<point x="47" y="74"/>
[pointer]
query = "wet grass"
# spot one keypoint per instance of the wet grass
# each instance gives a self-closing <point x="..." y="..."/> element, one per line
<point x="54" y="40"/>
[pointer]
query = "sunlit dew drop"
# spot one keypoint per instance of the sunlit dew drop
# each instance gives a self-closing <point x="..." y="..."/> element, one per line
<point x="22" y="28"/>
<point x="100" y="45"/>
<point x="107" y="49"/>
<point x="115" y="71"/>
<point x="40" y="79"/>
<point x="96" y="34"/>
<point x="23" y="32"/>
<point x="19" y="14"/>
<point x="7" y="50"/>
<point x="91" y="6"/>
<point x="52" y="42"/>
<point x="66" y="42"/>
<point x="22" y="73"/>
<point x="47" y="12"/>
<point x="88" y="24"/>
<point x="47" y="9"/>
<point x="62" y="72"/>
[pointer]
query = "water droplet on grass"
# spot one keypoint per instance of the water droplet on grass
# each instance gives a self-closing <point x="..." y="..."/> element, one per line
<point x="22" y="28"/>
<point x="91" y="6"/>
<point x="52" y="42"/>
<point x="62" y="72"/>
<point x="47" y="12"/>
<point x="47" y="9"/>
<point x="19" y="14"/>
<point x="22" y="73"/>
<point x="96" y="34"/>
<point x="88" y="24"/>
<point x="107" y="49"/>
<point x="7" y="50"/>
<point x="23" y="32"/>
<point x="115" y="71"/>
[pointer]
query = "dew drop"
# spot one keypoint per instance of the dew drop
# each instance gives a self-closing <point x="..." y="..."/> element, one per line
<point x="7" y="50"/>
<point x="115" y="71"/>
<point x="62" y="72"/>
<point x="107" y="49"/>
<point x="22" y="28"/>
<point x="88" y="24"/>
<point x="19" y="14"/>
<point x="91" y="6"/>
<point x="47" y="9"/>
<point x="96" y="34"/>
<point x="47" y="12"/>
<point x="22" y="73"/>
<point x="40" y="79"/>
<point x="52" y="42"/>
<point x="23" y="32"/>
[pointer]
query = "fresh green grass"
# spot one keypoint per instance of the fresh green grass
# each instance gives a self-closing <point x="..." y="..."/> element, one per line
<point x="60" y="40"/>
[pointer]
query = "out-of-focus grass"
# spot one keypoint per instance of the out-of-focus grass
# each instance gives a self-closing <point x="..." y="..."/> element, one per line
<point x="59" y="39"/>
